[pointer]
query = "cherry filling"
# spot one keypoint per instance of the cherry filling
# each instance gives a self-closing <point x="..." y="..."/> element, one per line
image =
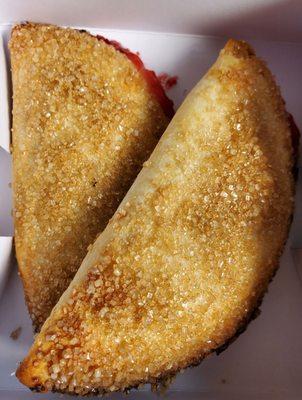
<point x="152" y="80"/>
<point x="167" y="81"/>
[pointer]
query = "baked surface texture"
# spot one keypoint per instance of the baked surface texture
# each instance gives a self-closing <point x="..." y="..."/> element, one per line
<point x="84" y="121"/>
<point x="188" y="255"/>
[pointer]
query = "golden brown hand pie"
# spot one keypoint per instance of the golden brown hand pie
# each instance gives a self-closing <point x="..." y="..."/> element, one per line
<point x="188" y="255"/>
<point x="85" y="118"/>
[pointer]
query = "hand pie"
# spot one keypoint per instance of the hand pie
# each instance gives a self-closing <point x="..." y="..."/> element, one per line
<point x="85" y="118"/>
<point x="186" y="259"/>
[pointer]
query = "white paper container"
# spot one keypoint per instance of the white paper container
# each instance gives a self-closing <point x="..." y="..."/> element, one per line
<point x="266" y="361"/>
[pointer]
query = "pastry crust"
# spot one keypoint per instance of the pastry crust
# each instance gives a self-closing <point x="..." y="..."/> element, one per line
<point x="84" y="121"/>
<point x="186" y="259"/>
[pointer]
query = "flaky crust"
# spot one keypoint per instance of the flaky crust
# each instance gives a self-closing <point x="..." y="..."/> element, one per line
<point x="84" y="121"/>
<point x="186" y="259"/>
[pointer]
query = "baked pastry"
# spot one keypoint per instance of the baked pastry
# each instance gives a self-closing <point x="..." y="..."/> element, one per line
<point x="186" y="259"/>
<point x="86" y="115"/>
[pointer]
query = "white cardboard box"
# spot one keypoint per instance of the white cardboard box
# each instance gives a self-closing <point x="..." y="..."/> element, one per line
<point x="266" y="361"/>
